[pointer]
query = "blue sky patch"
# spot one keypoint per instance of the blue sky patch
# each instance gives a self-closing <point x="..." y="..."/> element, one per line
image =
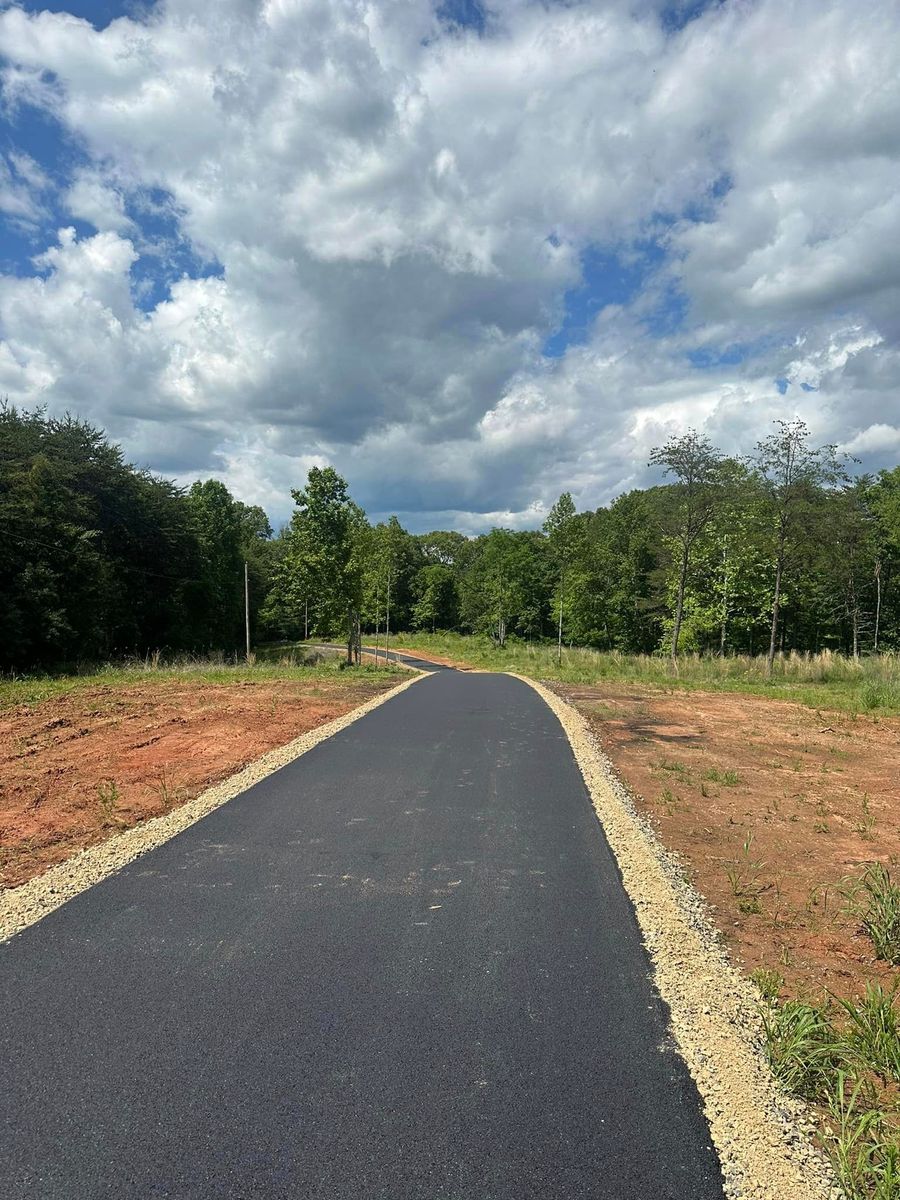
<point x="679" y="13"/>
<point x="467" y="14"/>
<point x="607" y="277"/>
<point x="98" y="12"/>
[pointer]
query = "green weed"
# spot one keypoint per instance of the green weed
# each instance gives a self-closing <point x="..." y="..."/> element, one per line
<point x="873" y="1030"/>
<point x="802" y="1046"/>
<point x="866" y="822"/>
<point x="743" y="876"/>
<point x="674" y="768"/>
<point x="875" y="901"/>
<point x="769" y="983"/>
<point x="108" y="800"/>
<point x="863" y="1148"/>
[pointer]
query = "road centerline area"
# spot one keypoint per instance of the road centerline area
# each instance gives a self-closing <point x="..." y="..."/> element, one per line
<point x="403" y="966"/>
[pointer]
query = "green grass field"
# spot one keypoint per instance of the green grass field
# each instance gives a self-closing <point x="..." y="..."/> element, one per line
<point x="821" y="681"/>
<point x="270" y="664"/>
<point x="826" y="681"/>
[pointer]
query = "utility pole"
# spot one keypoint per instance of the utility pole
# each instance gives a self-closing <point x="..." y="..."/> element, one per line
<point x="306" y="620"/>
<point x="247" y="607"/>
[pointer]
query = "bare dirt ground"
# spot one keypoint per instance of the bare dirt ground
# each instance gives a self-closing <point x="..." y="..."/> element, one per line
<point x="770" y="805"/>
<point x="78" y="768"/>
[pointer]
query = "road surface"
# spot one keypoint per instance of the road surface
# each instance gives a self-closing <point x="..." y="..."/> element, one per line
<point x="401" y="968"/>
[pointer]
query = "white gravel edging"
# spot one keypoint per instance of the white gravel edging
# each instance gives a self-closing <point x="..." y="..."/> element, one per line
<point x="761" y="1134"/>
<point x="25" y="905"/>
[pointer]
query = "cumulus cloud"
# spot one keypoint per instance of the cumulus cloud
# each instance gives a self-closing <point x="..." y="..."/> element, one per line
<point x="391" y="212"/>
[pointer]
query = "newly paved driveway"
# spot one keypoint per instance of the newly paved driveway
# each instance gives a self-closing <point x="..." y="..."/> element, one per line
<point x="403" y="967"/>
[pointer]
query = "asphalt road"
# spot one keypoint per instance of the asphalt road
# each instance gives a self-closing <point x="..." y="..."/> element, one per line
<point x="402" y="968"/>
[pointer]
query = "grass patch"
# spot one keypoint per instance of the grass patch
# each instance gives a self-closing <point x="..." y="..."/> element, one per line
<point x="728" y="778"/>
<point x="843" y="1061"/>
<point x="875" y="901"/>
<point x="270" y="664"/>
<point x="820" y="681"/>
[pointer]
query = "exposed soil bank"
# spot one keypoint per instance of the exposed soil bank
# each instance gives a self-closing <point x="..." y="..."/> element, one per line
<point x="816" y="794"/>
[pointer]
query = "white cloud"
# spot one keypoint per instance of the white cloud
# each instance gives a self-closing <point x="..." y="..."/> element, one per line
<point x="398" y="211"/>
<point x="92" y="198"/>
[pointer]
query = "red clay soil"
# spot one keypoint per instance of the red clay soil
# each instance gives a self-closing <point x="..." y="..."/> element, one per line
<point x="770" y="806"/>
<point x="146" y="748"/>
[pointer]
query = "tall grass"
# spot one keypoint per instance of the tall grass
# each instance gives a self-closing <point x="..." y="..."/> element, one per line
<point x="270" y="664"/>
<point x="823" y="680"/>
<point x="843" y="1060"/>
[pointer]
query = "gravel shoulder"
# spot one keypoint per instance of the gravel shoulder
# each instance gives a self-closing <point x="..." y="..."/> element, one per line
<point x="761" y="1135"/>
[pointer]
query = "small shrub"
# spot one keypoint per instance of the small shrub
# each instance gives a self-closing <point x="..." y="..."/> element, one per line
<point x="108" y="800"/>
<point x="769" y="983"/>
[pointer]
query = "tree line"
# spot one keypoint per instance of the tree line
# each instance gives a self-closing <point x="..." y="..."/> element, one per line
<point x="784" y="549"/>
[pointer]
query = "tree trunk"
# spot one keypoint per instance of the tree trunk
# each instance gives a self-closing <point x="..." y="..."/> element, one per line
<point x="877" y="604"/>
<point x="722" y="631"/>
<point x="679" y="604"/>
<point x="776" y="608"/>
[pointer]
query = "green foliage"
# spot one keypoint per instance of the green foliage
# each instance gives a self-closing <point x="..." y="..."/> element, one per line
<point x="504" y="589"/>
<point x="843" y="1059"/>
<point x="876" y="902"/>
<point x="769" y="983"/>
<point x="217" y="524"/>
<point x="98" y="559"/>
<point x="436" y="603"/>
<point x="318" y="576"/>
<point x="874" y="1031"/>
<point x="863" y="1146"/>
<point x="803" y="1048"/>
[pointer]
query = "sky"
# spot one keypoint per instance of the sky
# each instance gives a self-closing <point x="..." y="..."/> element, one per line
<point x="472" y="254"/>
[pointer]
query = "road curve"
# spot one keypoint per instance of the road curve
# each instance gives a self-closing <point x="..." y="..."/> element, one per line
<point x="402" y="968"/>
